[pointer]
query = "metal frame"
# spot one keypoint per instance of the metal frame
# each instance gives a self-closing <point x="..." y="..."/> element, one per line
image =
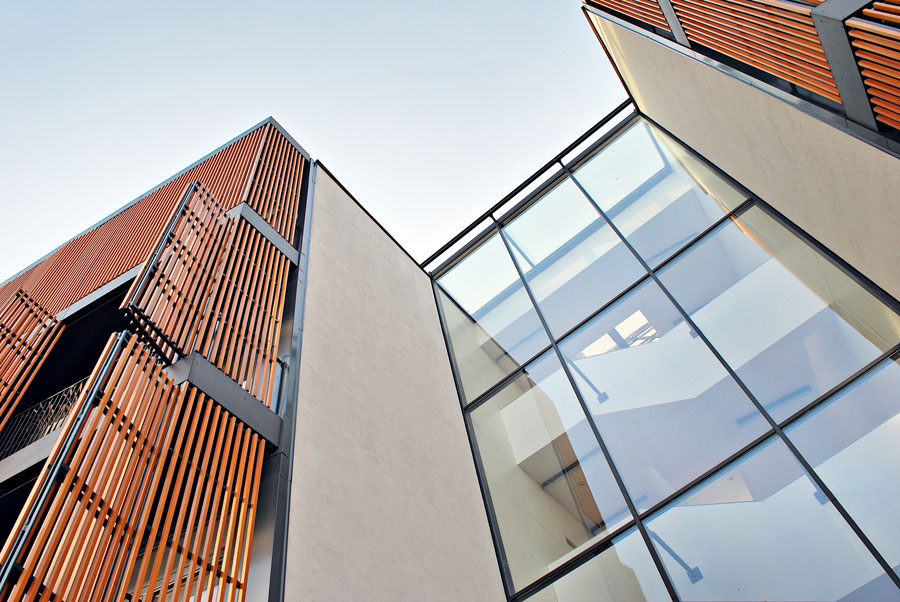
<point x="9" y="569"/>
<point x="829" y="19"/>
<point x="776" y="429"/>
<point x="282" y="462"/>
<point x="246" y="212"/>
<point x="551" y="163"/>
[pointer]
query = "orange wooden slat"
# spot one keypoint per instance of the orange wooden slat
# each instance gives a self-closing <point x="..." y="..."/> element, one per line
<point x="101" y="538"/>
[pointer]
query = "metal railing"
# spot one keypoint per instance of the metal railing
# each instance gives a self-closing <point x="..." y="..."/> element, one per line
<point x="38" y="421"/>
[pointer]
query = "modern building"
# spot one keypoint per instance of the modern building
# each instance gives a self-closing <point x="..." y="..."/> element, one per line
<point x="662" y="368"/>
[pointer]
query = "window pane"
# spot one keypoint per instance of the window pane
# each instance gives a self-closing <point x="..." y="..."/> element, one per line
<point x="572" y="259"/>
<point x="665" y="406"/>
<point x="758" y="531"/>
<point x="853" y="442"/>
<point x="550" y="486"/>
<point x="789" y="322"/>
<point x="622" y="573"/>
<point x="657" y="194"/>
<point x="489" y="318"/>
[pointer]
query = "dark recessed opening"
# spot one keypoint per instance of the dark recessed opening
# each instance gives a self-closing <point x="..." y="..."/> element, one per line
<point x="74" y="355"/>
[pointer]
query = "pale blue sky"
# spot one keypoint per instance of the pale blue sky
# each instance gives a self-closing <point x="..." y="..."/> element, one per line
<point x="428" y="112"/>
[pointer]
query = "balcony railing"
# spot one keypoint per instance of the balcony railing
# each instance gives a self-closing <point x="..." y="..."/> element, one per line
<point x="38" y="421"/>
<point x="841" y="54"/>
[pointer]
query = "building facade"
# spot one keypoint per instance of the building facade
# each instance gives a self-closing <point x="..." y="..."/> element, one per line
<point x="662" y="368"/>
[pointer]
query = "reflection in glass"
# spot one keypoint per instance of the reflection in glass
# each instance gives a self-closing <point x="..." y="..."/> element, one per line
<point x="622" y="573"/>
<point x="571" y="258"/>
<point x="549" y="483"/>
<point x="489" y="318"/>
<point x="656" y="193"/>
<point x="853" y="443"/>
<point x="666" y="408"/>
<point x="789" y="322"/>
<point x="758" y="531"/>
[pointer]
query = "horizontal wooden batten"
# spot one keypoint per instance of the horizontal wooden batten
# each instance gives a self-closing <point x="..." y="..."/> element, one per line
<point x="774" y="36"/>
<point x="876" y="44"/>
<point x="647" y="11"/>
<point x="28" y="333"/>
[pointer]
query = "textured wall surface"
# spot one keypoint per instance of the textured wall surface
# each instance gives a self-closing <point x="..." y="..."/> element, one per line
<point x="841" y="190"/>
<point x="385" y="503"/>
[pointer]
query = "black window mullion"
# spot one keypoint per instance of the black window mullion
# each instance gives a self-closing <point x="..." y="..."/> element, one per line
<point x="885" y="565"/>
<point x="606" y="454"/>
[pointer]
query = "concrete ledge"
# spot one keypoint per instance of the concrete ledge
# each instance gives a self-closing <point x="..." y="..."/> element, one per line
<point x="244" y="211"/>
<point x="28" y="456"/>
<point x="198" y="371"/>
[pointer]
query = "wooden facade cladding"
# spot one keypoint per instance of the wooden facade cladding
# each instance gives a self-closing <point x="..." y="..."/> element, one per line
<point x="27" y="334"/>
<point x="774" y="36"/>
<point x="846" y="53"/>
<point x="275" y="190"/>
<point x="875" y="36"/>
<point x="647" y="11"/>
<point x="214" y="285"/>
<point x="150" y="494"/>
<point x="90" y="260"/>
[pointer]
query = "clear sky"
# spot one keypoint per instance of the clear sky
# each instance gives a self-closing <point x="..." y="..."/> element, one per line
<point x="428" y="112"/>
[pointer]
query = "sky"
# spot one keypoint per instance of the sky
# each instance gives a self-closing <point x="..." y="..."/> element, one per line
<point x="427" y="112"/>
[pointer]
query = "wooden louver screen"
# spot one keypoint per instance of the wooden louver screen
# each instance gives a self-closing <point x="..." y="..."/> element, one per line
<point x="92" y="259"/>
<point x="214" y="285"/>
<point x="150" y="494"/>
<point x="275" y="192"/>
<point x="647" y="11"/>
<point x="27" y="334"/>
<point x="775" y="36"/>
<point x="876" y="42"/>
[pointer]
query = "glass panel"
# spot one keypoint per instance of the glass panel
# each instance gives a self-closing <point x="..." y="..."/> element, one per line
<point x="572" y="259"/>
<point x="550" y="485"/>
<point x="492" y="325"/>
<point x="758" y="531"/>
<point x="666" y="408"/>
<point x="853" y="442"/>
<point x="782" y="315"/>
<point x="656" y="193"/>
<point x="622" y="573"/>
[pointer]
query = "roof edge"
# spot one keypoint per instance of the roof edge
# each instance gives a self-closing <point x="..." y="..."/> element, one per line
<point x="137" y="199"/>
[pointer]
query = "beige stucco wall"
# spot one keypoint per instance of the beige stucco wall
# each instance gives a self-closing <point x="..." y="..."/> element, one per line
<point x="843" y="191"/>
<point x="385" y="504"/>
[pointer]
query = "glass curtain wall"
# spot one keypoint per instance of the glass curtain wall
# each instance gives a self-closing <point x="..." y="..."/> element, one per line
<point x="673" y="394"/>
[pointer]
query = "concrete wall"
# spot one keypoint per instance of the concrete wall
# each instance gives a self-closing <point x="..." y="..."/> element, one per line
<point x="841" y="190"/>
<point x="385" y="503"/>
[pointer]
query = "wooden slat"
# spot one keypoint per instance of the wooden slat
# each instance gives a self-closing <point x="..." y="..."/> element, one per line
<point x="877" y="49"/>
<point x="159" y="496"/>
<point x="27" y="335"/>
<point x="112" y="248"/>
<point x="775" y="36"/>
<point x="647" y="11"/>
<point x="217" y="288"/>
<point x="275" y="192"/>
